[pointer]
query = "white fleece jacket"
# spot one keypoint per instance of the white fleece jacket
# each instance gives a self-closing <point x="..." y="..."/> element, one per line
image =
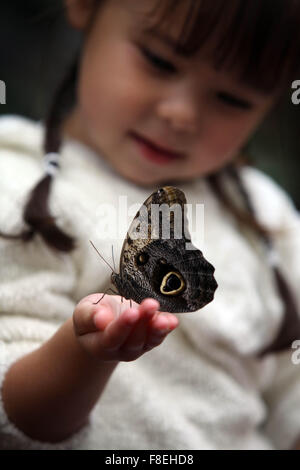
<point x="204" y="387"/>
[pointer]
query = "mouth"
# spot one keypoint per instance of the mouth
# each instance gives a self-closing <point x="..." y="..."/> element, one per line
<point x="155" y="152"/>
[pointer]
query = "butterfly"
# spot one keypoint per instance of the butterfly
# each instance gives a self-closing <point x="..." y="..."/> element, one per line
<point x="155" y="261"/>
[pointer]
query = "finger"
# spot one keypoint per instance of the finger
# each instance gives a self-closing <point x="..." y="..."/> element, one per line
<point x="103" y="316"/>
<point x="155" y="340"/>
<point x="159" y="322"/>
<point x="162" y="324"/>
<point x="148" y="307"/>
<point x="89" y="318"/>
<point x="119" y="330"/>
<point x="160" y="328"/>
<point x="173" y="321"/>
<point x="137" y="337"/>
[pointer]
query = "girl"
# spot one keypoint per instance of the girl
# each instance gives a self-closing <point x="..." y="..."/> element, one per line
<point x="194" y="78"/>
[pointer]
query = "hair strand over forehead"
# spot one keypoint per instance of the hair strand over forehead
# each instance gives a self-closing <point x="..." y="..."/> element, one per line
<point x="259" y="40"/>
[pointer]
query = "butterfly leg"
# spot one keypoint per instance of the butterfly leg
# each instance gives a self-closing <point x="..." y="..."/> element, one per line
<point x="122" y="302"/>
<point x="109" y="289"/>
<point x="129" y="301"/>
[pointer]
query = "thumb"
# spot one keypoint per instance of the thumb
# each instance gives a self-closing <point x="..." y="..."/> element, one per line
<point x="89" y="318"/>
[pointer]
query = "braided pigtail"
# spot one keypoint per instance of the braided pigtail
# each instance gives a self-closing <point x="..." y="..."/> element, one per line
<point x="36" y="212"/>
<point x="290" y="327"/>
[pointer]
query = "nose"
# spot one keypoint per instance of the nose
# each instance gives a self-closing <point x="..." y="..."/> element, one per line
<point x="179" y="110"/>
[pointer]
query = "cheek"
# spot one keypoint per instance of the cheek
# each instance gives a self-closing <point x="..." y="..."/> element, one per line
<point x="227" y="136"/>
<point x="220" y="141"/>
<point x="112" y="90"/>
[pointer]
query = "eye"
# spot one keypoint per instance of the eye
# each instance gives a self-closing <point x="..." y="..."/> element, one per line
<point x="157" y="61"/>
<point x="234" y="101"/>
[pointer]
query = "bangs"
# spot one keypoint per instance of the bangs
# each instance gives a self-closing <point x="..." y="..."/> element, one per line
<point x="257" y="40"/>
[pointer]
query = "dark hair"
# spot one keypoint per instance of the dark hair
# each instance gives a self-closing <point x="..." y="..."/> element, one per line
<point x="259" y="41"/>
<point x="36" y="212"/>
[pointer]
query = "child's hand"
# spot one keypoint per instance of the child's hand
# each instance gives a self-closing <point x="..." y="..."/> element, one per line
<point x="110" y="336"/>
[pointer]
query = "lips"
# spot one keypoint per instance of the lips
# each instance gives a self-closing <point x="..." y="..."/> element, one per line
<point x="155" y="151"/>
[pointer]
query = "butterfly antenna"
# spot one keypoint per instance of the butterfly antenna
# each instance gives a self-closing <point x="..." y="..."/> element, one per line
<point x="112" y="254"/>
<point x="101" y="256"/>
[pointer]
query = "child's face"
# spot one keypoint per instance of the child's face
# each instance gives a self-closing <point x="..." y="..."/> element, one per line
<point x="190" y="108"/>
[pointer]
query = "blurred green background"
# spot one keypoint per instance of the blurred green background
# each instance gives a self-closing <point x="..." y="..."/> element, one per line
<point x="36" y="46"/>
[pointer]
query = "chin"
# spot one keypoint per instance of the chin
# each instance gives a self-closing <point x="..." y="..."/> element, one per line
<point x="148" y="180"/>
<point x="145" y="183"/>
<point x="155" y="182"/>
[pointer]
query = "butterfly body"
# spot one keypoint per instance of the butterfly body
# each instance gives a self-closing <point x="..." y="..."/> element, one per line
<point x="180" y="279"/>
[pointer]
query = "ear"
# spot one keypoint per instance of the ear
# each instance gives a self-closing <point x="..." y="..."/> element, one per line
<point x="78" y="12"/>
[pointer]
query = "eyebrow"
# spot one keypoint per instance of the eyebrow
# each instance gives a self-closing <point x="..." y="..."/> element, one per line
<point x="167" y="40"/>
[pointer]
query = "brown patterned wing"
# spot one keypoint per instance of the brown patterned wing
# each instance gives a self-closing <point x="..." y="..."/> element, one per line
<point x="154" y="261"/>
<point x="150" y="227"/>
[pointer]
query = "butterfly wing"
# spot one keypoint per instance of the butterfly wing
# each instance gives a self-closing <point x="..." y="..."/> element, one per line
<point x="168" y="195"/>
<point x="154" y="260"/>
